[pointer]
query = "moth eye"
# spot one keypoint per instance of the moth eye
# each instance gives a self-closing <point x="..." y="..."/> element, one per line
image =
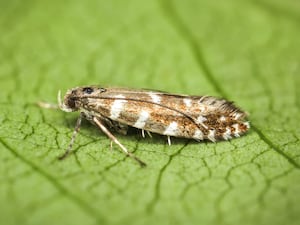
<point x="88" y="90"/>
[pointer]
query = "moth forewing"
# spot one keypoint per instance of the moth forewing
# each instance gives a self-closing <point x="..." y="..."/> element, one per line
<point x="194" y="117"/>
<point x="171" y="115"/>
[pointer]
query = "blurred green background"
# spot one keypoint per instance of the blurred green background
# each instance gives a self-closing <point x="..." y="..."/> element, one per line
<point x="245" y="50"/>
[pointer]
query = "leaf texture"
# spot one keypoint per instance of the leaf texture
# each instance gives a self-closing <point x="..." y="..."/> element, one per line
<point x="246" y="51"/>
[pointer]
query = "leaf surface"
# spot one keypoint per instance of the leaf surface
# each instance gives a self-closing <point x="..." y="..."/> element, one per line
<point x="245" y="51"/>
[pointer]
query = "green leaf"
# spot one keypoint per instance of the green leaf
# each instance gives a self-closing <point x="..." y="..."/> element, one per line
<point x="246" y="51"/>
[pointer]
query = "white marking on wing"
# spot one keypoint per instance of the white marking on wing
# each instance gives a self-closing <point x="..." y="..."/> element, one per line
<point x="198" y="135"/>
<point x="222" y="118"/>
<point x="237" y="130"/>
<point x="211" y="135"/>
<point x="202" y="108"/>
<point x="171" y="129"/>
<point x="140" y="123"/>
<point x="227" y="134"/>
<point x="155" y="98"/>
<point x="200" y="121"/>
<point x="187" y="102"/>
<point x="237" y="115"/>
<point x="247" y="124"/>
<point x="117" y="107"/>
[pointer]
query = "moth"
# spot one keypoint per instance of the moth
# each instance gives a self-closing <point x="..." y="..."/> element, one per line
<point x="183" y="116"/>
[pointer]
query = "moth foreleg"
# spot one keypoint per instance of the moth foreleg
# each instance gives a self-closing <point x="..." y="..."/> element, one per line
<point x="75" y="132"/>
<point x="115" y="140"/>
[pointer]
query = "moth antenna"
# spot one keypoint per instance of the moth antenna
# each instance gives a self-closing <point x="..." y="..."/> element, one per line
<point x="115" y="140"/>
<point x="143" y="133"/>
<point x="47" y="105"/>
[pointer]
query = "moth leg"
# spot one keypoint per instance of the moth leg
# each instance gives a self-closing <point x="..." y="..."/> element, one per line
<point x="119" y="127"/>
<point x="75" y="132"/>
<point x="115" y="140"/>
<point x="148" y="132"/>
<point x="169" y="140"/>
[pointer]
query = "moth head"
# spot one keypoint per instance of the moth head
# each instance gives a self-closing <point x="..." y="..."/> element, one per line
<point x="74" y="98"/>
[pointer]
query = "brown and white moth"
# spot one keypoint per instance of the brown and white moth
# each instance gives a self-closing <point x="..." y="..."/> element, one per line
<point x="184" y="116"/>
